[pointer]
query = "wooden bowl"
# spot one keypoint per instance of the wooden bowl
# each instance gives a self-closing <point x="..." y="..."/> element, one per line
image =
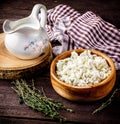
<point x="84" y="93"/>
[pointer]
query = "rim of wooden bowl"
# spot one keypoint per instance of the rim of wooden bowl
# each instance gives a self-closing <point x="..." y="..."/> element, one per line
<point x="68" y="53"/>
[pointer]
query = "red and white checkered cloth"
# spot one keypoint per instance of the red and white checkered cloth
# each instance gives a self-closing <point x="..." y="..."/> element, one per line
<point x="90" y="31"/>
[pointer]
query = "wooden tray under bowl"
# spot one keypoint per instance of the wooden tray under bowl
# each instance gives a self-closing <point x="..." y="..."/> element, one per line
<point x="12" y="67"/>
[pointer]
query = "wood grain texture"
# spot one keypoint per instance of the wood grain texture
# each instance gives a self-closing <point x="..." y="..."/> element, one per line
<point x="11" y="112"/>
<point x="109" y="10"/>
<point x="83" y="93"/>
<point x="12" y="67"/>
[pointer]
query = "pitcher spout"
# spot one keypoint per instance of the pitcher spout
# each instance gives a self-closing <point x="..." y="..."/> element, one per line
<point x="31" y="21"/>
<point x="8" y="26"/>
<point x="27" y="38"/>
<point x="28" y="22"/>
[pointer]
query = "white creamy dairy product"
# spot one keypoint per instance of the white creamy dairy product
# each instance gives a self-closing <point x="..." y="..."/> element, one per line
<point x="82" y="70"/>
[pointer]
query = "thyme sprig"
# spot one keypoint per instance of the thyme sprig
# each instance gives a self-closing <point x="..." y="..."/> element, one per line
<point x="108" y="102"/>
<point x="37" y="99"/>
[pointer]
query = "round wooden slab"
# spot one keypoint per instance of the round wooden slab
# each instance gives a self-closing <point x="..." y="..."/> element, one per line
<point x="12" y="67"/>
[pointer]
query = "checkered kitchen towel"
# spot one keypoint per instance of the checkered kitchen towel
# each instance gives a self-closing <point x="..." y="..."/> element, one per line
<point x="90" y="31"/>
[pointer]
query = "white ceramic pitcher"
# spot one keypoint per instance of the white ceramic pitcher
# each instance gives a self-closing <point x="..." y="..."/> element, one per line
<point x="27" y="38"/>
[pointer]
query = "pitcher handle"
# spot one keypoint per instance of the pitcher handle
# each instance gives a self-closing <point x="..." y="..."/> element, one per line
<point x="37" y="9"/>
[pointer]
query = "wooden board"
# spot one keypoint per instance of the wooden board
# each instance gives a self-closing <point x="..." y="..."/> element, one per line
<point x="12" y="67"/>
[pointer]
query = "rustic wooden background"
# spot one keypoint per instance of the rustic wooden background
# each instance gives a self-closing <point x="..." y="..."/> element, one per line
<point x="11" y="112"/>
<point x="107" y="9"/>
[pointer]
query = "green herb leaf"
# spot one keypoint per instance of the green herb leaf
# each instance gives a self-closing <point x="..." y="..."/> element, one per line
<point x="108" y="102"/>
<point x="37" y="100"/>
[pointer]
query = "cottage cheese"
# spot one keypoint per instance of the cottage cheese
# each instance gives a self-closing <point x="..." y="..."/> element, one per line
<point x="82" y="70"/>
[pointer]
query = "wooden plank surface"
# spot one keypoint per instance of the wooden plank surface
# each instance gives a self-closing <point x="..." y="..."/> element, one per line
<point x="10" y="107"/>
<point x="11" y="112"/>
<point x="12" y="67"/>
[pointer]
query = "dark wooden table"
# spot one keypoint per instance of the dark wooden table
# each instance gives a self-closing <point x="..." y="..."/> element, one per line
<point x="11" y="112"/>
